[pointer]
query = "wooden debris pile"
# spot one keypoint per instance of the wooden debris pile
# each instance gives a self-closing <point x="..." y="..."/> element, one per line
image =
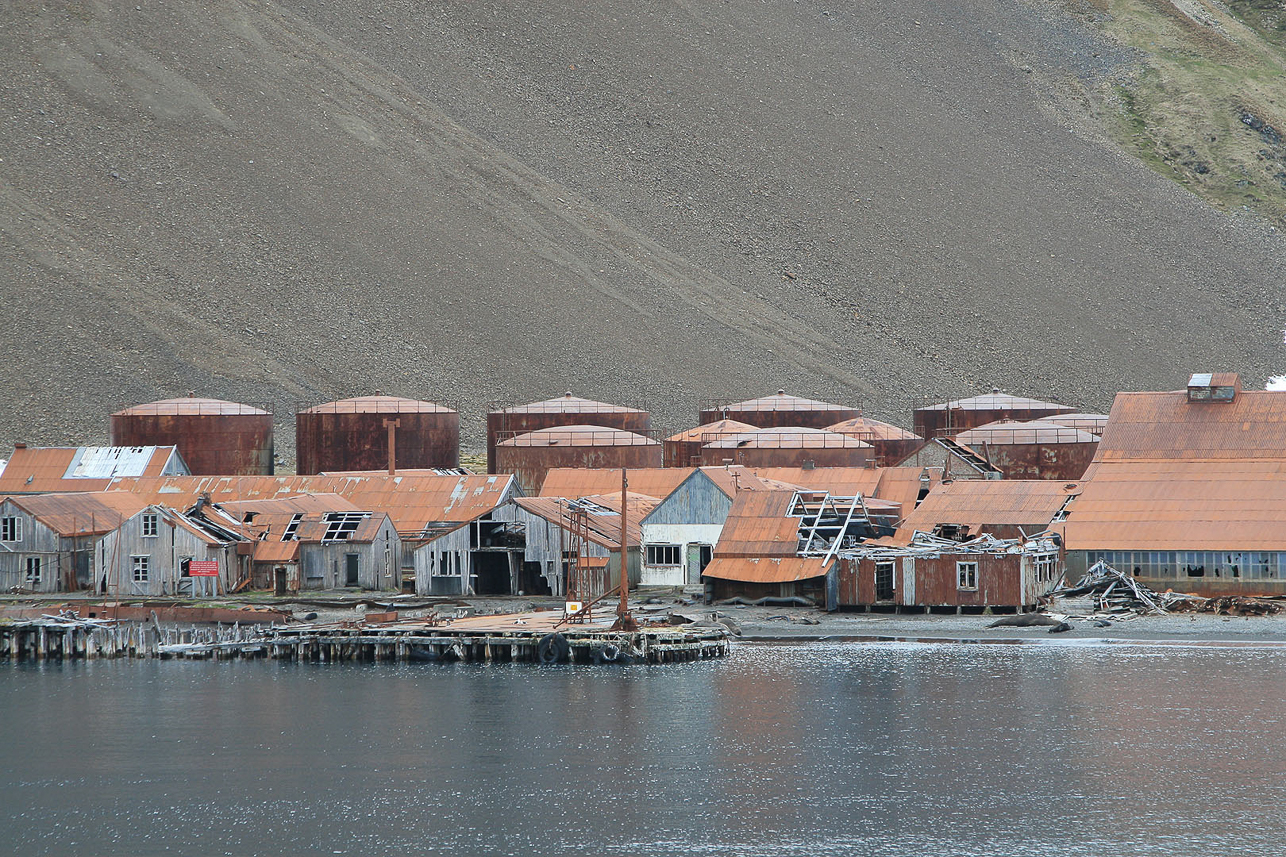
<point x="1115" y="592"/>
<point x="1232" y="605"/>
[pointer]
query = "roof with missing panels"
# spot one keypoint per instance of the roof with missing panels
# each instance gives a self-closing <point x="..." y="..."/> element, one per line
<point x="34" y="470"/>
<point x="1030" y="504"/>
<point x="604" y="519"/>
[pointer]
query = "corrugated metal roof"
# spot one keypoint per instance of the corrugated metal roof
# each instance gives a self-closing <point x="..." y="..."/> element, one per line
<point x="586" y="481"/>
<point x="994" y="402"/>
<point x="781" y="401"/>
<point x="1092" y="423"/>
<point x="710" y="431"/>
<point x="1181" y="505"/>
<point x="865" y="427"/>
<point x="604" y="528"/>
<point x="581" y="435"/>
<point x="758" y="525"/>
<point x="82" y="514"/>
<point x="188" y="406"/>
<point x="271" y="550"/>
<point x="840" y="481"/>
<point x="34" y="470"/>
<point x="1006" y="432"/>
<point x="568" y="404"/>
<point x="379" y="405"/>
<point x="902" y="485"/>
<point x="416" y="503"/>
<point x="980" y="503"/>
<point x="787" y="438"/>
<point x="765" y="569"/>
<point x="1167" y="426"/>
<point x="289" y="505"/>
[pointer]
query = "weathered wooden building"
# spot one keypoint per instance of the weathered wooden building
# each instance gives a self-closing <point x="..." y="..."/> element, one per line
<point x="47" y="541"/>
<point x="939" y="575"/>
<point x="152" y="552"/>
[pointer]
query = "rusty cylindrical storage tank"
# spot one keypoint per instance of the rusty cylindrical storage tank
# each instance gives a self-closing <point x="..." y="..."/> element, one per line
<point x="891" y="443"/>
<point x="351" y="435"/>
<point x="950" y="418"/>
<point x="215" y="438"/>
<point x="1092" y="423"/>
<point x="530" y="456"/>
<point x="788" y="446"/>
<point x="684" y="448"/>
<point x="780" y="410"/>
<point x="1033" y="450"/>
<point x="565" y="410"/>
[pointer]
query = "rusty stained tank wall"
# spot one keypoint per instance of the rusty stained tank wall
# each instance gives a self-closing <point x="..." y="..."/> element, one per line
<point x="950" y="418"/>
<point x="565" y="410"/>
<point x="780" y="410"/>
<point x="1033" y="450"/>
<point x="788" y="446"/>
<point x="684" y="448"/>
<point x="350" y="435"/>
<point x="530" y="456"/>
<point x="891" y="444"/>
<point x="215" y="438"/>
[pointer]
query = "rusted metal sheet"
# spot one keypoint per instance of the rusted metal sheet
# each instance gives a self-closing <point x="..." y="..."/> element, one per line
<point x="684" y="448"/>
<point x="350" y="435"/>
<point x="1092" y="423"/>
<point x="565" y="410"/>
<point x="214" y="437"/>
<point x="788" y="447"/>
<point x="1033" y="450"/>
<point x="779" y="410"/>
<point x="81" y="514"/>
<point x="585" y="481"/>
<point x="950" y="418"/>
<point x="1001" y="508"/>
<point x="765" y="569"/>
<point x="530" y="456"/>
<point x="936" y="581"/>
<point x="40" y="470"/>
<point x="759" y="525"/>
<point x="891" y="444"/>
<point x="1167" y="426"/>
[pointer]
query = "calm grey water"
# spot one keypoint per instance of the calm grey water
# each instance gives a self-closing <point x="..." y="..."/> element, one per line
<point x="870" y="749"/>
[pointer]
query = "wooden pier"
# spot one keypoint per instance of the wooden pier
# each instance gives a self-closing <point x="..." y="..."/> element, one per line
<point x="540" y="637"/>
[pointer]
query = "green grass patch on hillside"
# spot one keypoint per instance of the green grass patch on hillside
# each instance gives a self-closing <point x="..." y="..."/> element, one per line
<point x="1209" y="107"/>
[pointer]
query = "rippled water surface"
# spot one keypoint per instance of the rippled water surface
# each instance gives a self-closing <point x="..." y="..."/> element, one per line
<point x="871" y="749"/>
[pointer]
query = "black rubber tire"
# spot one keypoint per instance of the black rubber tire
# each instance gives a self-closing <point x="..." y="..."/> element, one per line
<point x="553" y="649"/>
<point x="608" y="654"/>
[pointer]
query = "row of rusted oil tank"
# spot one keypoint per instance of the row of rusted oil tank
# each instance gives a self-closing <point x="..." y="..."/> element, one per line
<point x="1035" y="439"/>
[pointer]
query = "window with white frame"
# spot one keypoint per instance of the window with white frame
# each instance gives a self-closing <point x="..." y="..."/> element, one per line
<point x="141" y="567"/>
<point x="967" y="575"/>
<point x="151" y="525"/>
<point x="34" y="565"/>
<point x="664" y="555"/>
<point x="1045" y="565"/>
<point x="10" y="529"/>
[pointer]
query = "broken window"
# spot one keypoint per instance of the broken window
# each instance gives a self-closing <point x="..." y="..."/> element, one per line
<point x="151" y="525"/>
<point x="340" y="526"/>
<point x="664" y="555"/>
<point x="288" y="534"/>
<point x="141" y="567"/>
<point x="1045" y="564"/>
<point x="10" y="529"/>
<point x="33" y="570"/>
<point x="967" y="575"/>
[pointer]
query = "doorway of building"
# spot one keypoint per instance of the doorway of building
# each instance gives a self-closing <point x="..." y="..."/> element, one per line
<point x="699" y="557"/>
<point x="884" y="581"/>
<point x="492" y="571"/>
<point x="351" y="577"/>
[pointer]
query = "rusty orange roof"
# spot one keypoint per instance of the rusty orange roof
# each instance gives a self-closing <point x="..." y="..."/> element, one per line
<point x="42" y="470"/>
<point x="378" y="405"/>
<point x="866" y="428"/>
<point x="568" y="404"/>
<point x="1006" y="432"/>
<point x="188" y="406"/>
<point x="759" y="525"/>
<point x="289" y="505"/>
<point x="583" y="435"/>
<point x="996" y="402"/>
<point x="418" y="503"/>
<point x="1181" y="505"/>
<point x="1166" y="426"/>
<point x="1030" y="504"/>
<point x="587" y="481"/>
<point x="780" y="401"/>
<point x="902" y="485"/>
<point x="271" y="550"/>
<point x="787" y="438"/>
<point x="604" y="529"/>
<point x="82" y="514"/>
<point x="765" y="569"/>
<point x="710" y="431"/>
<point x="840" y="481"/>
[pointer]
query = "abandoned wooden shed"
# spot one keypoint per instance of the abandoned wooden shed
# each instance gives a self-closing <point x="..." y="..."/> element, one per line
<point x="152" y="553"/>
<point x="47" y="541"/>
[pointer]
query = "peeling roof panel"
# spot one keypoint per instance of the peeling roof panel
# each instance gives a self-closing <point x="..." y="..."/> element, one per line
<point x="1030" y="504"/>
<point x="41" y="470"/>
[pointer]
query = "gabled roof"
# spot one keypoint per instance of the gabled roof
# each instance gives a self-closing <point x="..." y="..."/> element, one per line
<point x="1166" y="426"/>
<point x="418" y="503"/>
<point x="1029" y="504"/>
<point x="759" y="525"/>
<point x="604" y="522"/>
<point x="81" y="514"/>
<point x="43" y="470"/>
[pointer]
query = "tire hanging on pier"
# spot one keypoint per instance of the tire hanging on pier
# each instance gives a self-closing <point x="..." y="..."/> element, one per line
<point x="553" y="649"/>
<point x="606" y="654"/>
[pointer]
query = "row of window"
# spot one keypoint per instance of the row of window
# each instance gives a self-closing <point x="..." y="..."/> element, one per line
<point x="663" y="555"/>
<point x="11" y="527"/>
<point x="1248" y="565"/>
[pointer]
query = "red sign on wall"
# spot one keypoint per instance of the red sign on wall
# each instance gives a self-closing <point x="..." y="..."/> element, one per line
<point x="203" y="568"/>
